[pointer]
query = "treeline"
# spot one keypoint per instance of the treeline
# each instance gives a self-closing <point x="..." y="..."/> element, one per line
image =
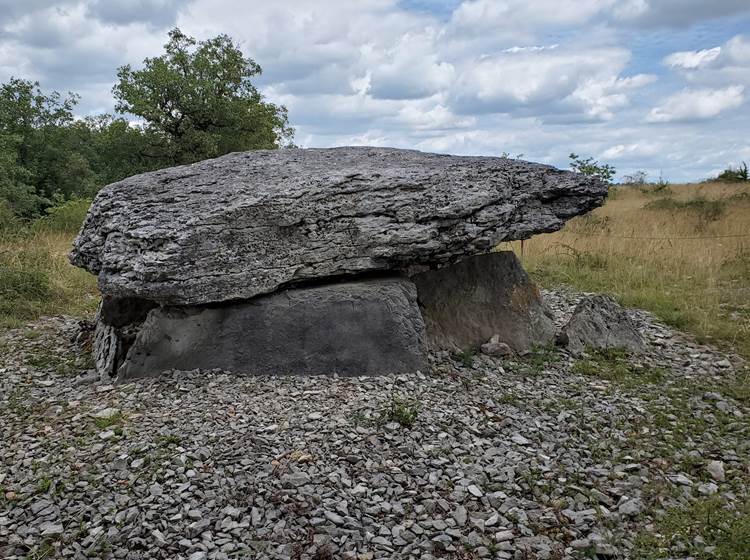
<point x="193" y="102"/>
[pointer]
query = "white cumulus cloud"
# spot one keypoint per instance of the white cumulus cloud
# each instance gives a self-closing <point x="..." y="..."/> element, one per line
<point x="697" y="104"/>
<point x="512" y="79"/>
<point x="692" y="59"/>
<point x="541" y="77"/>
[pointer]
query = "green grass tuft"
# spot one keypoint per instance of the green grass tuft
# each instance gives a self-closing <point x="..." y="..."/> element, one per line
<point x="465" y="358"/>
<point x="612" y="365"/>
<point x="725" y="533"/>
<point x="109" y="421"/>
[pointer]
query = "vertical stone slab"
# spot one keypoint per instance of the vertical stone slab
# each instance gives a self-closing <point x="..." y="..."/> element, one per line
<point x="105" y="350"/>
<point x="370" y="327"/>
<point x="467" y="303"/>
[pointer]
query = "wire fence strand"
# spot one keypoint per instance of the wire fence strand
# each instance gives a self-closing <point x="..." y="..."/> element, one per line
<point x="732" y="236"/>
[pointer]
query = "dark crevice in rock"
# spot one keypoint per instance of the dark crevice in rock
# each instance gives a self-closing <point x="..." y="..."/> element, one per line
<point x="119" y="312"/>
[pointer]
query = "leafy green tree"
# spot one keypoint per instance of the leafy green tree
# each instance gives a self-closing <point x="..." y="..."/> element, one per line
<point x="589" y="166"/>
<point x="37" y="162"/>
<point x="198" y="101"/>
<point x="25" y="108"/>
<point x="116" y="149"/>
<point x="17" y="194"/>
<point x="195" y="101"/>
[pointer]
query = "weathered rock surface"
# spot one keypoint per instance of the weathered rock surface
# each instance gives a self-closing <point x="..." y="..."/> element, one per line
<point x="354" y="328"/>
<point x="480" y="298"/>
<point x="599" y="322"/>
<point x="250" y="223"/>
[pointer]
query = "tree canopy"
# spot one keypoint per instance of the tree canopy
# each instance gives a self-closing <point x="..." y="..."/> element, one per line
<point x="193" y="102"/>
<point x="198" y="101"/>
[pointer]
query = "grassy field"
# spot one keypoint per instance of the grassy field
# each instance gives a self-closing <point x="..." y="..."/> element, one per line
<point x="680" y="251"/>
<point x="35" y="276"/>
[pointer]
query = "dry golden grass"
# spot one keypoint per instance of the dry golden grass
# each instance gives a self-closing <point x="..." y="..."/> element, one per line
<point x="37" y="279"/>
<point x="682" y="252"/>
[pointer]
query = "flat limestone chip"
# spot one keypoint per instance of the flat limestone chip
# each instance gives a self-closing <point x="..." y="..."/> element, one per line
<point x="599" y="322"/>
<point x="370" y="327"/>
<point x="251" y="223"/>
<point x="480" y="298"/>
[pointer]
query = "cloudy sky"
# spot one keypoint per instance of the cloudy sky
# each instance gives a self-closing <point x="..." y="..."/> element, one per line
<point x="656" y="85"/>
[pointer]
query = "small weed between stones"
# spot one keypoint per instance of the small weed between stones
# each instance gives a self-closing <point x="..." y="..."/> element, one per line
<point x="509" y="398"/>
<point x="65" y="365"/>
<point x="169" y="440"/>
<point x="539" y="357"/>
<point x="44" y="484"/>
<point x="402" y="410"/>
<point x="108" y="421"/>
<point x="465" y="358"/>
<point x="42" y="553"/>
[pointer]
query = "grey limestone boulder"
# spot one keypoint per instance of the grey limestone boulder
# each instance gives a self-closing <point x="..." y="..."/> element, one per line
<point x="481" y="298"/>
<point x="599" y="322"/>
<point x="251" y="223"/>
<point x="369" y="327"/>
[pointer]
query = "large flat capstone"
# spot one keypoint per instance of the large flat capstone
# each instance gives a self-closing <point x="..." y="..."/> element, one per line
<point x="369" y="327"/>
<point x="251" y="223"/>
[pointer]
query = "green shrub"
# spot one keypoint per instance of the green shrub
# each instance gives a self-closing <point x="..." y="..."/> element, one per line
<point x="64" y="218"/>
<point x="589" y="166"/>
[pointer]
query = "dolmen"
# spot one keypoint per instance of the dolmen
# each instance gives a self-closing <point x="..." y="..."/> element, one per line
<point x="344" y="261"/>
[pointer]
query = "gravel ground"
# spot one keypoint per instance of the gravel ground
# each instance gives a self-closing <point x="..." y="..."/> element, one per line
<point x="541" y="457"/>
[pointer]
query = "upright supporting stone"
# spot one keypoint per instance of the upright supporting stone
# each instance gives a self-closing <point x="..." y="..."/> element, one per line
<point x="355" y="328"/>
<point x="106" y="343"/>
<point x="466" y="304"/>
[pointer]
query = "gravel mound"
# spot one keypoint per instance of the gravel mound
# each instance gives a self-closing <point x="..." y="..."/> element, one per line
<point x="543" y="456"/>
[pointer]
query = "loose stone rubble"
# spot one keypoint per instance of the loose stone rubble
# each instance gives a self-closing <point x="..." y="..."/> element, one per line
<point x="512" y="458"/>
